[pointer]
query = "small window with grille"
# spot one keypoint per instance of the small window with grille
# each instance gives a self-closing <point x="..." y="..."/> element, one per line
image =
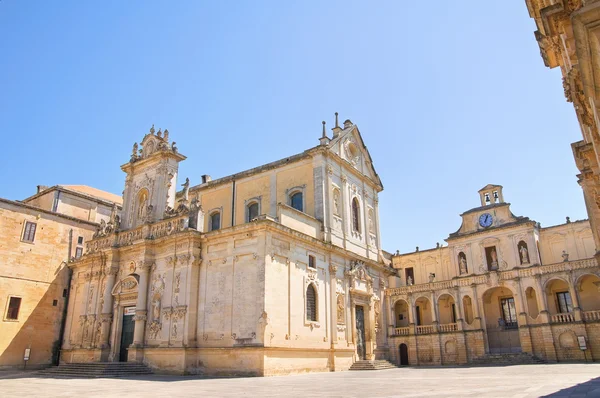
<point x="311" y="304"/>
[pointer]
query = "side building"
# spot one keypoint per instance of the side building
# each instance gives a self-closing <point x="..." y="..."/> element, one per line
<point x="36" y="244"/>
<point x="503" y="284"/>
<point x="273" y="270"/>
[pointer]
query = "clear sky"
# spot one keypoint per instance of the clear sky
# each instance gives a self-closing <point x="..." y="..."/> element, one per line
<point x="449" y="96"/>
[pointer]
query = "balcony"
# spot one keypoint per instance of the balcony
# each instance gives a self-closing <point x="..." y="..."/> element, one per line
<point x="591" y="316"/>
<point x="403" y="331"/>
<point x="449" y="327"/>
<point x="562" y="318"/>
<point x="425" y="329"/>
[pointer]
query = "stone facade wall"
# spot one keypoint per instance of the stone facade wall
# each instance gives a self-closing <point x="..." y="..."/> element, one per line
<point x="36" y="272"/>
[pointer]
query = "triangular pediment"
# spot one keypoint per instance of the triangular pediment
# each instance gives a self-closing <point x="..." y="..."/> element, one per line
<point x="349" y="146"/>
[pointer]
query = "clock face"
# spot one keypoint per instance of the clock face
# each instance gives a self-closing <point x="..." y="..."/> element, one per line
<point x="485" y="220"/>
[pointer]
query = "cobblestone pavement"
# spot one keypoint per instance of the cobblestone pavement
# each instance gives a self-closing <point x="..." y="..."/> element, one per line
<point x="557" y="380"/>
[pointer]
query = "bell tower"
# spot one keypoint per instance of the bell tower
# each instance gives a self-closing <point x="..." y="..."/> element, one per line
<point x="491" y="194"/>
<point x="151" y="181"/>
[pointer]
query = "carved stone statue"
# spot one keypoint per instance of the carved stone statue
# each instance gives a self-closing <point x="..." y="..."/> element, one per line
<point x="336" y="202"/>
<point x="340" y="309"/>
<point x="174" y="147"/>
<point x="166" y="135"/>
<point x="494" y="256"/>
<point x="134" y="152"/>
<point x="565" y="256"/>
<point x="524" y="255"/>
<point x="409" y="281"/>
<point x="186" y="190"/>
<point x="463" y="265"/>
<point x="156" y="307"/>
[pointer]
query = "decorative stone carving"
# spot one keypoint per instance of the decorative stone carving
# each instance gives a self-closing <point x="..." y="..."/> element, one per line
<point x="341" y="309"/>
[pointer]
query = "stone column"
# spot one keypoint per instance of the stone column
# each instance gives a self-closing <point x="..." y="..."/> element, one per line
<point x="574" y="299"/>
<point x="459" y="321"/>
<point x="390" y="316"/>
<point x="434" y="313"/>
<point x="522" y="317"/>
<point x="370" y="332"/>
<point x="140" y="306"/>
<point x="334" y="314"/>
<point x="411" y="315"/>
<point x="106" y="315"/>
<point x="347" y="219"/>
<point x="475" y="306"/>
<point x="541" y="298"/>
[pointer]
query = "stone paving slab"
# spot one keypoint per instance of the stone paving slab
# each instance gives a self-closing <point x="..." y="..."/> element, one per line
<point x="522" y="381"/>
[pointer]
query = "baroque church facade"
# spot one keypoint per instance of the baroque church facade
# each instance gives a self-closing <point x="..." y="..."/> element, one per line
<point x="274" y="270"/>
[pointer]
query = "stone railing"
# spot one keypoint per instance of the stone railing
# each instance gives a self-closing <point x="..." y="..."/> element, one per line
<point x="502" y="275"/>
<point x="562" y="318"/>
<point x="591" y="316"/>
<point x="448" y="327"/>
<point x="425" y="329"/>
<point x="403" y="331"/>
<point x="131" y="236"/>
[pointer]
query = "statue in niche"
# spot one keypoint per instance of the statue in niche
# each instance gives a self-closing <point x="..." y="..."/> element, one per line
<point x="409" y="281"/>
<point x="565" y="256"/>
<point x="377" y="310"/>
<point x="371" y="228"/>
<point x="142" y="205"/>
<point x="494" y="257"/>
<point x="340" y="309"/>
<point x="524" y="254"/>
<point x="336" y="202"/>
<point x="462" y="263"/>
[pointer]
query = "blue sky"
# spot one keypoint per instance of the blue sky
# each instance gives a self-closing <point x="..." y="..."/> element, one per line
<point x="449" y="96"/>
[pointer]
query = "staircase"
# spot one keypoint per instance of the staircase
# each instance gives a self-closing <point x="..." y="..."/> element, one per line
<point x="521" y="358"/>
<point x="372" y="365"/>
<point x="96" y="369"/>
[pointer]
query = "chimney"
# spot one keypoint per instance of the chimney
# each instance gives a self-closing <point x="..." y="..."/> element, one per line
<point x="41" y="188"/>
<point x="206" y="178"/>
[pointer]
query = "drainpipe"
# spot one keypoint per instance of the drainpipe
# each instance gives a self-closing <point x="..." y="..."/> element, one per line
<point x="233" y="203"/>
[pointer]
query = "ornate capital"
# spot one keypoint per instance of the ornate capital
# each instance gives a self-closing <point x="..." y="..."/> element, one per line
<point x="333" y="268"/>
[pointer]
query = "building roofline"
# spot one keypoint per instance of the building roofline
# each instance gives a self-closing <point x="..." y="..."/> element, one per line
<point x="52" y="213"/>
<point x="74" y="192"/>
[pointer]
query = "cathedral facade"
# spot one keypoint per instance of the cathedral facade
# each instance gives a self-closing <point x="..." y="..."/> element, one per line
<point x="273" y="270"/>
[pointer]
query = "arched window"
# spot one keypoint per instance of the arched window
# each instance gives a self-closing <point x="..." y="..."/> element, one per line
<point x="311" y="303"/>
<point x="355" y="215"/>
<point x="296" y="201"/>
<point x="523" y="252"/>
<point x="252" y="211"/>
<point x="215" y="221"/>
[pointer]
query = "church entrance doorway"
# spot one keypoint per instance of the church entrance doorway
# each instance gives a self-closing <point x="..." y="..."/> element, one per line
<point x="360" y="332"/>
<point x="403" y="354"/>
<point x="126" y="332"/>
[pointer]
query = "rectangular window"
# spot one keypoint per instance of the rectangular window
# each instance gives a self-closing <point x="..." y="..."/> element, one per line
<point x="509" y="313"/>
<point x="54" y="303"/>
<point x="312" y="261"/>
<point x="409" y="273"/>
<point x="453" y="313"/>
<point x="565" y="304"/>
<point x="14" y="305"/>
<point x="78" y="252"/>
<point x="80" y="240"/>
<point x="29" y="231"/>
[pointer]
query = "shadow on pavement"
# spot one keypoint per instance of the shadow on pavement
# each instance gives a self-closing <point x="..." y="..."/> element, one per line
<point x="590" y="388"/>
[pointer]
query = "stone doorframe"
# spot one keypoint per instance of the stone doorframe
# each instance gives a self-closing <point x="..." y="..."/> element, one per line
<point x="124" y="295"/>
<point x="367" y="302"/>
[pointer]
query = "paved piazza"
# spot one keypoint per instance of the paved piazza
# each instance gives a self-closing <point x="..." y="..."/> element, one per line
<point x="568" y="380"/>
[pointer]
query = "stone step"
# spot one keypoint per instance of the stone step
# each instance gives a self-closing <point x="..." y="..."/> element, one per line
<point x="97" y="369"/>
<point x="372" y="365"/>
<point x="507" y="359"/>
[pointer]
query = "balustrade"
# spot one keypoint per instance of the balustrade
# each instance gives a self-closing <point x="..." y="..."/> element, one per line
<point x="403" y="331"/>
<point x="425" y="329"/>
<point x="562" y="318"/>
<point x="448" y="327"/>
<point x="589" y="316"/>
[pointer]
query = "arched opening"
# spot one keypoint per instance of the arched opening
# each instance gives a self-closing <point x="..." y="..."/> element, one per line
<point x="401" y="314"/>
<point x="423" y="315"/>
<point x="589" y="295"/>
<point x="447" y="312"/>
<point x="462" y="264"/>
<point x="252" y="211"/>
<point x="403" y="348"/>
<point x="501" y="320"/>
<point x="558" y="297"/>
<point x="468" y="309"/>
<point x="311" y="303"/>
<point x="296" y="201"/>
<point x="523" y="251"/>
<point x="532" y="303"/>
<point x="355" y="215"/>
<point x="215" y="221"/>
